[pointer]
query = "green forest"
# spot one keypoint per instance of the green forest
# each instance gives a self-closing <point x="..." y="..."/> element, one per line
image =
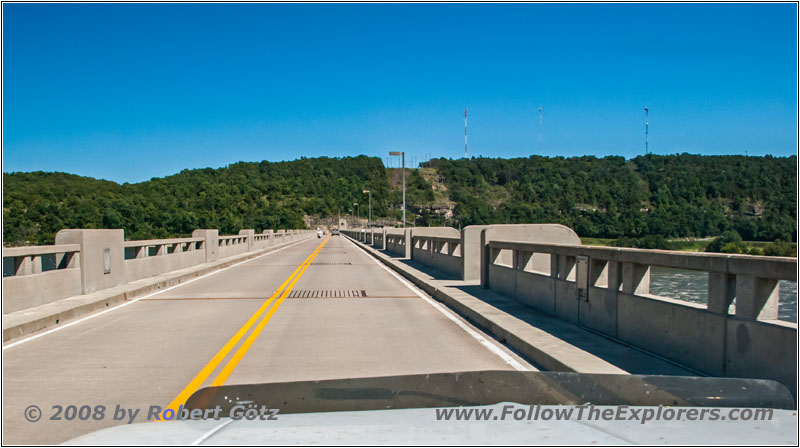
<point x="671" y="196"/>
<point x="240" y="196"/>
<point x="646" y="198"/>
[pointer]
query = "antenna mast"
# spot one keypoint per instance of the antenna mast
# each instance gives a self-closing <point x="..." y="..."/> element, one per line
<point x="540" y="130"/>
<point x="646" y="128"/>
<point x="465" y="132"/>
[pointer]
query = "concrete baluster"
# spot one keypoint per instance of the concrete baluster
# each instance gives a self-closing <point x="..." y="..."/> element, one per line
<point x="756" y="298"/>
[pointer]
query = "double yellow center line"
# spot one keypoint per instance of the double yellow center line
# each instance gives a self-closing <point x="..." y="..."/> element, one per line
<point x="283" y="290"/>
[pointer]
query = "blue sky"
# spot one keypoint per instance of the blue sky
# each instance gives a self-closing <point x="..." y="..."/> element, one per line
<point x="127" y="92"/>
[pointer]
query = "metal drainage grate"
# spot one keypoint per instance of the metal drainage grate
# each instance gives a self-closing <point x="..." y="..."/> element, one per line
<point x="326" y="293"/>
<point x="327" y="263"/>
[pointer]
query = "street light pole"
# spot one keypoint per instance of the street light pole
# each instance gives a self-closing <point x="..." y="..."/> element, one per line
<point x="403" y="155"/>
<point x="370" y="206"/>
<point x="358" y="215"/>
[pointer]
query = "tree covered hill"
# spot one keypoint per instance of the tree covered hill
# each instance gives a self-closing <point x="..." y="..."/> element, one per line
<point x="671" y="196"/>
<point x="243" y="195"/>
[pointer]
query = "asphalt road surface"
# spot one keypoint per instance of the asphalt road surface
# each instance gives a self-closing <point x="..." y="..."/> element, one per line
<point x="319" y="309"/>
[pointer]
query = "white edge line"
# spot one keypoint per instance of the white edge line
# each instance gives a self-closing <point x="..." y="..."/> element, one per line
<point x="482" y="340"/>
<point x="91" y="316"/>
<point x="210" y="433"/>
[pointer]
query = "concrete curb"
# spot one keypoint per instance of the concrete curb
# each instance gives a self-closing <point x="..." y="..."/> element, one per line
<point x="32" y="320"/>
<point x="540" y="347"/>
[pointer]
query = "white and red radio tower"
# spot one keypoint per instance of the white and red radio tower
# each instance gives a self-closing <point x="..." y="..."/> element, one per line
<point x="540" y="130"/>
<point x="465" y="132"/>
<point x="646" y="126"/>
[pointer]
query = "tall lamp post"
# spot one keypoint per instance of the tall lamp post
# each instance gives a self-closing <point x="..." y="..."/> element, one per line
<point x="403" y="155"/>
<point x="369" y="220"/>
<point x="358" y="215"/>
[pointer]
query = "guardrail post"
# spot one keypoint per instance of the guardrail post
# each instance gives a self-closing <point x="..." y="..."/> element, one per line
<point x="483" y="265"/>
<point x="250" y="234"/>
<point x="471" y="252"/>
<point x="721" y="292"/>
<point x="554" y="265"/>
<point x="756" y="298"/>
<point x="635" y="278"/>
<point x="36" y="263"/>
<point x="211" y="243"/>
<point x="67" y="260"/>
<point x="102" y="256"/>
<point x="140" y="252"/>
<point x="25" y="265"/>
<point x="270" y="238"/>
<point x="521" y="259"/>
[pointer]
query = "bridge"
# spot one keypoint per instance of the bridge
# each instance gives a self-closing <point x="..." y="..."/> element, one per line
<point x="98" y="320"/>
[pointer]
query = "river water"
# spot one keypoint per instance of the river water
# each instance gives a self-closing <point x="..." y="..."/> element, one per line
<point x="692" y="286"/>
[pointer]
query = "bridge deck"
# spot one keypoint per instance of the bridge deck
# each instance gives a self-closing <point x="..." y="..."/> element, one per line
<point x="353" y="319"/>
<point x="550" y="342"/>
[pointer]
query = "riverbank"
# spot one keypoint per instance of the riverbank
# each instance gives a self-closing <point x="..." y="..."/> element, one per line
<point x="684" y="244"/>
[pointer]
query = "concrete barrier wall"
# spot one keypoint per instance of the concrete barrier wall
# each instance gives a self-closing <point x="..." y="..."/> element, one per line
<point x="439" y="248"/>
<point x="443" y="254"/>
<point x="88" y="260"/>
<point x="530" y="233"/>
<point x="396" y="242"/>
<point x="608" y="290"/>
<point x="148" y="258"/>
<point x="758" y="349"/>
<point x="263" y="240"/>
<point x="41" y="274"/>
<point x="232" y="245"/>
<point x="379" y="239"/>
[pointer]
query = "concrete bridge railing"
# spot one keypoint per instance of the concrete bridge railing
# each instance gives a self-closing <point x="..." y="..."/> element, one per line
<point x="440" y="251"/>
<point x="84" y="261"/>
<point x="146" y="258"/>
<point x="379" y="240"/>
<point x="398" y="241"/>
<point x="36" y="275"/>
<point x="439" y="247"/>
<point x="608" y="290"/>
<point x="736" y="333"/>
<point x="443" y="248"/>
<point x="231" y="245"/>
